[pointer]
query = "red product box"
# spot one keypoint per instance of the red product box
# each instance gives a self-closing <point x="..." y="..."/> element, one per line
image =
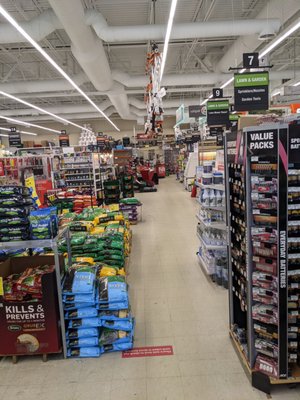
<point x="30" y="327"/>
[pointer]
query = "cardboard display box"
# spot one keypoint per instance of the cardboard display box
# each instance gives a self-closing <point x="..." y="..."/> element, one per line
<point x="30" y="327"/>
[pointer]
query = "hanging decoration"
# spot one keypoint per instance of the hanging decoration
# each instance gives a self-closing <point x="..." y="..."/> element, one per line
<point x="154" y="93"/>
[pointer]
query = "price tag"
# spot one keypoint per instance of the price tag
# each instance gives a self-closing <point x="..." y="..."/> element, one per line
<point x="1" y="287"/>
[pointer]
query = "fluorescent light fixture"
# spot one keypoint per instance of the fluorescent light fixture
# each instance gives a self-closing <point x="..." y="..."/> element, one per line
<point x="296" y="84"/>
<point x="13" y="22"/>
<point x="279" y="40"/>
<point x="167" y="37"/>
<point x="27" y="124"/>
<point x="23" y="132"/>
<point x="276" y="93"/>
<point x="65" y="121"/>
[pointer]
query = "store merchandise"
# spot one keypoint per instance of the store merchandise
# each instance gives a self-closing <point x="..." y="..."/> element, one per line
<point x="112" y="191"/>
<point x="211" y="228"/>
<point x="263" y="187"/>
<point x="127" y="186"/>
<point x="129" y="207"/>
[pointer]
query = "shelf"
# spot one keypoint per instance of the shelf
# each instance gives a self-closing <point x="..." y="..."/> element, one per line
<point x="20" y="244"/>
<point x="211" y="247"/>
<point x="213" y="225"/>
<point x="216" y="208"/>
<point x="216" y="187"/>
<point x="69" y="168"/>
<point x="79" y="173"/>
<point x="203" y="265"/>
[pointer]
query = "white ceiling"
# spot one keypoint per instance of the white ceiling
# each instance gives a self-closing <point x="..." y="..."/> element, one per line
<point x="19" y="62"/>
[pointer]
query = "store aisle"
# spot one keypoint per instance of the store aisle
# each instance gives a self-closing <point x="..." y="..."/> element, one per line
<point x="174" y="304"/>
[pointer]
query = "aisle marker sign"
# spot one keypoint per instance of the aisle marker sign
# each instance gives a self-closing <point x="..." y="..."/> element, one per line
<point x="218" y="113"/>
<point x="251" y="91"/>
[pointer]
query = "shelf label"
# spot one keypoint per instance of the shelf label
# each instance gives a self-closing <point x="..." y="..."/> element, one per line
<point x="251" y="91"/>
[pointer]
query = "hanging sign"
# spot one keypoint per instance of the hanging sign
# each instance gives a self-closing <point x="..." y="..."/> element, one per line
<point x="262" y="141"/>
<point x="180" y="114"/>
<point x="250" y="60"/>
<point x="64" y="140"/>
<point x="217" y="93"/>
<point x="101" y="142"/>
<point x="217" y="112"/>
<point x="251" y="91"/>
<point x="14" y="138"/>
<point x="197" y="111"/>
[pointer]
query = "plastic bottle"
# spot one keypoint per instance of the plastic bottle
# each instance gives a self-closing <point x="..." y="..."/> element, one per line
<point x="206" y="197"/>
<point x="212" y="198"/>
<point x="218" y="198"/>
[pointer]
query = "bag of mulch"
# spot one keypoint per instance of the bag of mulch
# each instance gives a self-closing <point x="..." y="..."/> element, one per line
<point x="108" y="348"/>
<point x="110" y="336"/>
<point x="83" y="342"/>
<point x="75" y="306"/>
<point x="119" y="325"/>
<point x="82" y="333"/>
<point x="79" y="282"/>
<point x="112" y="289"/>
<point x="93" y="322"/>
<point x="124" y="315"/>
<point x="86" y="312"/>
<point x="113" y="306"/>
<point x="16" y="212"/>
<point x="84" y="352"/>
<point x="14" y="190"/>
<point x="80" y="298"/>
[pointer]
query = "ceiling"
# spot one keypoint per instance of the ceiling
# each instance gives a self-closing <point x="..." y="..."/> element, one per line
<point x="20" y="63"/>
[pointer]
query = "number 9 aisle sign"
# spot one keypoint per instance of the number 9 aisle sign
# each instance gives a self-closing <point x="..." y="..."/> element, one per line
<point x="251" y="91"/>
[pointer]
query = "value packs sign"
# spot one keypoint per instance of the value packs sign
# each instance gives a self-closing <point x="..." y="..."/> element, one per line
<point x="251" y="91"/>
<point x="217" y="113"/>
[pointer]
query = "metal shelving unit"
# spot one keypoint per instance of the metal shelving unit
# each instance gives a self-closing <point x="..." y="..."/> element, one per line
<point x="53" y="244"/>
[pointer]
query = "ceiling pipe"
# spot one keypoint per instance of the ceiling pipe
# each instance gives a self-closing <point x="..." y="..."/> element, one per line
<point x="38" y="28"/>
<point x="86" y="47"/>
<point x="90" y="53"/>
<point x="192" y="30"/>
<point x="47" y="22"/>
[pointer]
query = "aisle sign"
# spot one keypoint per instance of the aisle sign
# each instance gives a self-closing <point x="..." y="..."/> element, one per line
<point x="218" y="113"/>
<point x="217" y="93"/>
<point x="250" y="60"/>
<point x="14" y="138"/>
<point x="197" y="111"/>
<point x="64" y="140"/>
<point x="251" y="91"/>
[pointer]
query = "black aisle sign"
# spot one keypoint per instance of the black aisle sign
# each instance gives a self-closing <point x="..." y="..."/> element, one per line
<point x="250" y="60"/>
<point x="14" y="138"/>
<point x="218" y="113"/>
<point x="262" y="142"/>
<point x="197" y="111"/>
<point x="294" y="143"/>
<point x="251" y="91"/>
<point x="217" y="93"/>
<point x="64" y="140"/>
<point x="214" y="131"/>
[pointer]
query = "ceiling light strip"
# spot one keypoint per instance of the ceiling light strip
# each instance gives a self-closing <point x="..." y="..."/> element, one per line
<point x="27" y="124"/>
<point x="167" y="37"/>
<point x="65" y="121"/>
<point x="11" y="20"/>
<point x="23" y="132"/>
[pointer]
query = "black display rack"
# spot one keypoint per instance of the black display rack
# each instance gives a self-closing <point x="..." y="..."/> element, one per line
<point x="263" y="203"/>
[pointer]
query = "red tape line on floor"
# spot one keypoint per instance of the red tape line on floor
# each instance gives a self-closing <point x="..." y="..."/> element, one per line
<point x="150" y="351"/>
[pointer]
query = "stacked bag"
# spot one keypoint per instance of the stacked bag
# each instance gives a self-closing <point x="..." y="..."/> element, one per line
<point x="43" y="223"/>
<point x="15" y="206"/>
<point x="129" y="207"/>
<point x="97" y="314"/>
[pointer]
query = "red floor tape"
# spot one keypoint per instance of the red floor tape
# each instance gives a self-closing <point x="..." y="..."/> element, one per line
<point x="151" y="351"/>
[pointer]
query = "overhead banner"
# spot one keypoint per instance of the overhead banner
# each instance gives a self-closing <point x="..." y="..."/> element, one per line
<point x="251" y="91"/>
<point x="217" y="112"/>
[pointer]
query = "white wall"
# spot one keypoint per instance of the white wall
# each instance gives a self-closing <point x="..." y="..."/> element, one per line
<point x="97" y="125"/>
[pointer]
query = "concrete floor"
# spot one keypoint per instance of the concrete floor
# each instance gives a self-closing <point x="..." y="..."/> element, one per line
<point x="174" y="304"/>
